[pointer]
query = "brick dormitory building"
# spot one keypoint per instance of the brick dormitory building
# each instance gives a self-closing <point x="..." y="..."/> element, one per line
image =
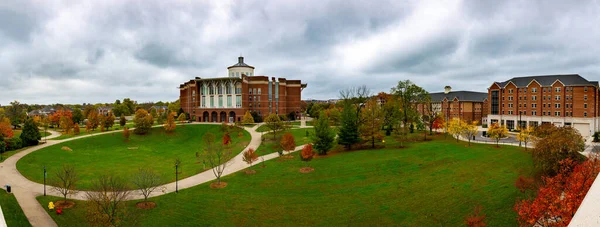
<point x="226" y="99"/>
<point x="465" y="105"/>
<point x="562" y="100"/>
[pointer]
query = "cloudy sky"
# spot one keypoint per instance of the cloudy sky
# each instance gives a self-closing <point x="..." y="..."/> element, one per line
<point x="99" y="51"/>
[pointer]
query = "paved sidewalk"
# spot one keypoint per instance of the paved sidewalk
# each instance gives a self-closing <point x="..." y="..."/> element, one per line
<point x="26" y="191"/>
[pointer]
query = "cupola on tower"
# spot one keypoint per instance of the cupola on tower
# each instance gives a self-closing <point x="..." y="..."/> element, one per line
<point x="240" y="68"/>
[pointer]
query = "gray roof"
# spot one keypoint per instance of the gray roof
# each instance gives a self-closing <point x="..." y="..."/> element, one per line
<point x="461" y="95"/>
<point x="240" y="63"/>
<point x="548" y="80"/>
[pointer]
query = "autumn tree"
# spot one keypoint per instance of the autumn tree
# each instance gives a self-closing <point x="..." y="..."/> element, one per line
<point x="170" y="125"/>
<point x="122" y="121"/>
<point x="560" y="143"/>
<point x="5" y="128"/>
<point x="391" y="113"/>
<point x="93" y="119"/>
<point x="107" y="201"/>
<point x="524" y="183"/>
<point x="307" y="153"/>
<point x="146" y="180"/>
<point x="250" y="156"/>
<point x="76" y="129"/>
<point x="470" y="130"/>
<point x="218" y="156"/>
<point x="126" y="133"/>
<point x="456" y="127"/>
<point x="497" y="132"/>
<point x="370" y="129"/>
<point x="274" y="124"/>
<point x="181" y="118"/>
<point x="438" y="123"/>
<point x="143" y="122"/>
<point x="324" y="136"/>
<point x="65" y="181"/>
<point x="476" y="219"/>
<point x="247" y="119"/>
<point x="287" y="142"/>
<point x="226" y="139"/>
<point x="559" y="197"/>
<point x="525" y="136"/>
<point x="101" y="119"/>
<point x="66" y="124"/>
<point x="108" y="121"/>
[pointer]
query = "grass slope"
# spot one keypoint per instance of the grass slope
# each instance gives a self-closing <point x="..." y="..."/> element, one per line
<point x="13" y="214"/>
<point x="109" y="153"/>
<point x="426" y="184"/>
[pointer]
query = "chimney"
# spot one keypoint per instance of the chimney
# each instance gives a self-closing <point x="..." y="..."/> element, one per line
<point x="240" y="59"/>
<point x="447" y="89"/>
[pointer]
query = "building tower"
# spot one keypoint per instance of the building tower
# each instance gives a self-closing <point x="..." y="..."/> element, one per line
<point x="240" y="68"/>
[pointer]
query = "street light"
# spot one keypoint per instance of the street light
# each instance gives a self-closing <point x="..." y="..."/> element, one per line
<point x="45" y="180"/>
<point x="176" y="176"/>
<point x="520" y="127"/>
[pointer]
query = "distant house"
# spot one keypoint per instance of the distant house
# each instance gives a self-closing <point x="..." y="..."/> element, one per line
<point x="48" y="110"/>
<point x="105" y="110"/>
<point x="158" y="108"/>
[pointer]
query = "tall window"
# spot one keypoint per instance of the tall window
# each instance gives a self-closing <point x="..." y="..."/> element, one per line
<point x="212" y="102"/>
<point x="557" y="89"/>
<point x="220" y="101"/>
<point x="220" y="89"/>
<point x="238" y="101"/>
<point x="495" y="102"/>
<point x="229" y="101"/>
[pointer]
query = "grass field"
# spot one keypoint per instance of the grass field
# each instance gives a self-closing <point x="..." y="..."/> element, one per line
<point x="109" y="153"/>
<point x="83" y="132"/>
<point x="270" y="146"/>
<point x="17" y="133"/>
<point x="12" y="211"/>
<point x="434" y="183"/>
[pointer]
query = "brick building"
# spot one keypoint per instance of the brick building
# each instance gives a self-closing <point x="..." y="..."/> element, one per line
<point x="465" y="105"/>
<point x="562" y="100"/>
<point x="226" y="99"/>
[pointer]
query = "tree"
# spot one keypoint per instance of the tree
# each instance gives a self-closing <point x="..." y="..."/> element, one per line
<point x="497" y="132"/>
<point x="456" y="127"/>
<point x="93" y="119"/>
<point x="287" y="142"/>
<point x="31" y="134"/>
<point x="182" y="118"/>
<point x="143" y="122"/>
<point x="226" y="139"/>
<point x="274" y="124"/>
<point x="391" y="113"/>
<point x="525" y="136"/>
<point x="153" y="113"/>
<point x="470" y="130"/>
<point x="559" y="197"/>
<point x="122" y="121"/>
<point x="170" y="125"/>
<point x="15" y="113"/>
<point x="58" y="115"/>
<point x="77" y="116"/>
<point x="108" y="121"/>
<point x="76" y="130"/>
<point x="248" y="119"/>
<point x="370" y="129"/>
<point x="476" y="219"/>
<point x="6" y="129"/>
<point x="131" y="105"/>
<point x="120" y="110"/>
<point x="126" y="133"/>
<point x="409" y="95"/>
<point x="66" y="124"/>
<point x="307" y="153"/>
<point x="249" y="156"/>
<point x="560" y="143"/>
<point x="65" y="181"/>
<point x="174" y="106"/>
<point x="107" y="201"/>
<point x="429" y="114"/>
<point x="146" y="181"/>
<point x="348" y="132"/>
<point x="324" y="136"/>
<point x="438" y="123"/>
<point x="218" y="156"/>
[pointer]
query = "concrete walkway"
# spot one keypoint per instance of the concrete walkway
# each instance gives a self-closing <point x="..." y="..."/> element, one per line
<point x="26" y="191"/>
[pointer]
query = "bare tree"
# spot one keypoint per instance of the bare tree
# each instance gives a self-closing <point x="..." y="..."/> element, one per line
<point x="218" y="156"/>
<point x="65" y="181"/>
<point x="107" y="201"/>
<point x="146" y="181"/>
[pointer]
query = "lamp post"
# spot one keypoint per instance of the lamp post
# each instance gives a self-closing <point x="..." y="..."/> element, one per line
<point x="44" y="180"/>
<point x="520" y="127"/>
<point x="176" y="176"/>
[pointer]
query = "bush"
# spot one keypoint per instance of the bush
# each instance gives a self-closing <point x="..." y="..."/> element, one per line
<point x="484" y="125"/>
<point x="30" y="135"/>
<point x="596" y="137"/>
<point x="14" y="144"/>
<point x="257" y="118"/>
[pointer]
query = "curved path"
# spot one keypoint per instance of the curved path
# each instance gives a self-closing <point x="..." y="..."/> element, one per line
<point x="26" y="191"/>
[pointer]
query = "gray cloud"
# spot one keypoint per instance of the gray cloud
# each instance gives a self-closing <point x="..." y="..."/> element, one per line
<point x="105" y="50"/>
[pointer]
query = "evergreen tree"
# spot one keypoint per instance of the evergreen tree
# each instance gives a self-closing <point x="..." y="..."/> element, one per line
<point x="30" y="135"/>
<point x="348" y="134"/>
<point x="324" y="135"/>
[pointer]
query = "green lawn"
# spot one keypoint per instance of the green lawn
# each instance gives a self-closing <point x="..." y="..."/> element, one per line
<point x="435" y="183"/>
<point x="109" y="153"/>
<point x="17" y="133"/>
<point x="12" y="211"/>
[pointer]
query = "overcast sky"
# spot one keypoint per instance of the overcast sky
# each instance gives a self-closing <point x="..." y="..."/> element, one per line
<point x="99" y="51"/>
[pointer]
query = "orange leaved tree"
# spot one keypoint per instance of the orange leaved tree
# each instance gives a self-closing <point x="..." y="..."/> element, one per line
<point x="476" y="219"/>
<point x="170" y="125"/>
<point x="250" y="156"/>
<point x="307" y="153"/>
<point x="287" y="142"/>
<point x="126" y="133"/>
